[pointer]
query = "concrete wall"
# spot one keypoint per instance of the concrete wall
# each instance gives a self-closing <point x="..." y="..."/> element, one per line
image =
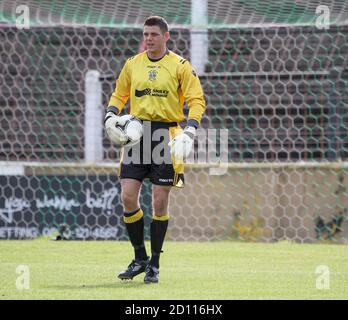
<point x="259" y="204"/>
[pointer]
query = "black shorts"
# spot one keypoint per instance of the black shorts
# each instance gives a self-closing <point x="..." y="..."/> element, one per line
<point x="150" y="158"/>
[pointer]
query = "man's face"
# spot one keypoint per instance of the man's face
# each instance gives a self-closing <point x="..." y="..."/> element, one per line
<point x="155" y="40"/>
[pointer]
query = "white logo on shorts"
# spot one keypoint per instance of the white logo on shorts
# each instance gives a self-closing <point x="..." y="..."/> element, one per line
<point x="166" y="180"/>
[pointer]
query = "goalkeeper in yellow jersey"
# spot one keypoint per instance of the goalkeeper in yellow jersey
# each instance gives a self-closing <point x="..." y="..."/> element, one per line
<point x="157" y="82"/>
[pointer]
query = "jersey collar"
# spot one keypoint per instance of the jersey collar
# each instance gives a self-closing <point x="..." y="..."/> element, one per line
<point x="155" y="60"/>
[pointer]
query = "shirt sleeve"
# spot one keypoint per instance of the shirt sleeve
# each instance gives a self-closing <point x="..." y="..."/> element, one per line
<point x="192" y="92"/>
<point x="121" y="93"/>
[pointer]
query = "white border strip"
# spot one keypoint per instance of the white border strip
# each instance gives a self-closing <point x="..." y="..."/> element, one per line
<point x="11" y="169"/>
<point x="175" y="26"/>
<point x="19" y="168"/>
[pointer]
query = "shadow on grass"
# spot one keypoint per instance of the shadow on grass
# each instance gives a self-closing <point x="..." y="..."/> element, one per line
<point x="116" y="285"/>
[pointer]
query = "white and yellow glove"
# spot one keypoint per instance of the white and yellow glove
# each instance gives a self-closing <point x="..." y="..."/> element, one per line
<point x="110" y="121"/>
<point x="181" y="145"/>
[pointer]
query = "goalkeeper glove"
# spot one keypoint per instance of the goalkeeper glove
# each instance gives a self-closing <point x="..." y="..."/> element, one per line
<point x="181" y="145"/>
<point x="110" y="121"/>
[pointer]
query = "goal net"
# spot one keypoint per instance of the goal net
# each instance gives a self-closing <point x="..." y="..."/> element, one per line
<point x="274" y="76"/>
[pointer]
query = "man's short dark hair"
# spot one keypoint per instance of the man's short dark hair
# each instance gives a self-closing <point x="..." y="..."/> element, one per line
<point x="157" y="21"/>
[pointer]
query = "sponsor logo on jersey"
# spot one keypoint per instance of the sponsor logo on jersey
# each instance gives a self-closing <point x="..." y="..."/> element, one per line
<point x="160" y="93"/>
<point x="153" y="93"/>
<point x="141" y="93"/>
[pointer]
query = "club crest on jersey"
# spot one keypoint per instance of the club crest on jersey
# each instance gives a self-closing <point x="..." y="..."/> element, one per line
<point x="152" y="75"/>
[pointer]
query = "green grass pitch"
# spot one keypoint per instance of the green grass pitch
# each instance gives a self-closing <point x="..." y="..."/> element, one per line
<point x="189" y="270"/>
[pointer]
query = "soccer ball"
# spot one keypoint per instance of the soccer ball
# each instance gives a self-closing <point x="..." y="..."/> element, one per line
<point x="130" y="133"/>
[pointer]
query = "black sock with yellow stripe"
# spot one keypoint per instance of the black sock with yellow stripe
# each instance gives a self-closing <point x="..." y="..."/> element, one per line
<point x="135" y="227"/>
<point x="158" y="229"/>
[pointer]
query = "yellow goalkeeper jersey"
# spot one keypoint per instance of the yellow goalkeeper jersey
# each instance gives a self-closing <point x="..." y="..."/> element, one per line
<point x="158" y="89"/>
